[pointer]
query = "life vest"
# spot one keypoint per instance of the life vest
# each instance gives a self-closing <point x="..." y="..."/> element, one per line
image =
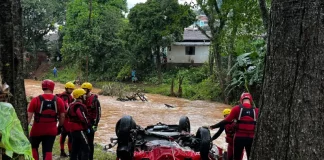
<point x="247" y="120"/>
<point x="65" y="97"/>
<point x="230" y="129"/>
<point x="92" y="99"/>
<point x="71" y="113"/>
<point x="47" y="112"/>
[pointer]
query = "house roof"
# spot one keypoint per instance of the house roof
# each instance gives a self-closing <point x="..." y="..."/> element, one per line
<point x="194" y="35"/>
<point x="191" y="43"/>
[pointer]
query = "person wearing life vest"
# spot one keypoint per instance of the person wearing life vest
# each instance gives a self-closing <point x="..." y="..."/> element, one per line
<point x="94" y="114"/>
<point x="78" y="123"/>
<point x="67" y="98"/>
<point x="48" y="109"/>
<point x="246" y="116"/>
<point x="229" y="130"/>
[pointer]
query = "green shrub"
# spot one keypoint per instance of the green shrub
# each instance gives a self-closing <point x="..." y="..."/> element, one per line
<point x="124" y="72"/>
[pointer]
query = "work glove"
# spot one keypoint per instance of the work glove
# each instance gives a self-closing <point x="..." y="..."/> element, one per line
<point x="59" y="130"/>
<point x="94" y="128"/>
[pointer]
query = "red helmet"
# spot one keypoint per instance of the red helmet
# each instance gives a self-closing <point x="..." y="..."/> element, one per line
<point x="48" y="84"/>
<point x="246" y="96"/>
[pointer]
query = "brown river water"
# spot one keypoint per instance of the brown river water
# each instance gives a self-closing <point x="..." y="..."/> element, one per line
<point x="200" y="113"/>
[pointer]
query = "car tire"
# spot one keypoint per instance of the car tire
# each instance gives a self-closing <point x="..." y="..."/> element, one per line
<point x="124" y="125"/>
<point x="184" y="124"/>
<point x="125" y="148"/>
<point x="205" y="142"/>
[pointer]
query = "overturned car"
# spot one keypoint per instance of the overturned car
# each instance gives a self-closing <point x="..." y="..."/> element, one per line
<point x="163" y="142"/>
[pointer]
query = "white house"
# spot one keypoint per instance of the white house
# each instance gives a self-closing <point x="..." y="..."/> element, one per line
<point x="193" y="50"/>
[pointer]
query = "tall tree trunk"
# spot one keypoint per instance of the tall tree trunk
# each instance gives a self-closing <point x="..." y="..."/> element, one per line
<point x="231" y="53"/>
<point x="211" y="60"/>
<point x="12" y="56"/>
<point x="264" y="13"/>
<point x="172" y="94"/>
<point x="290" y="124"/>
<point x="219" y="70"/>
<point x="158" y="64"/>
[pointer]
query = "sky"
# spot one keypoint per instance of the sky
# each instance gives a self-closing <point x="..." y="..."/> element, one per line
<point x="131" y="3"/>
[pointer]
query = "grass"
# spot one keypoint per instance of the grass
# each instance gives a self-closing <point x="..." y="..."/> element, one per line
<point x="64" y="75"/>
<point x="99" y="154"/>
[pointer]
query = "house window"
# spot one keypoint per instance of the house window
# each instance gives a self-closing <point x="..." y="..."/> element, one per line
<point x="190" y="50"/>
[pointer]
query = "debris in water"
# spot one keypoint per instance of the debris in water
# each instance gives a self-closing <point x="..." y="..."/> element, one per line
<point x="169" y="106"/>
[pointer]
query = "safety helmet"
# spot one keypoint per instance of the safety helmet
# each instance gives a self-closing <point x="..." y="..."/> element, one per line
<point x="69" y="85"/>
<point x="86" y="85"/>
<point x="226" y="111"/>
<point x="78" y="93"/>
<point x="246" y="95"/>
<point x="48" y="84"/>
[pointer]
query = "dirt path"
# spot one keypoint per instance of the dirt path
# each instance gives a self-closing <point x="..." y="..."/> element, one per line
<point x="200" y="113"/>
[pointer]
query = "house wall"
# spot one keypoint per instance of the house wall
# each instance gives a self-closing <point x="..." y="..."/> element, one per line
<point x="178" y="55"/>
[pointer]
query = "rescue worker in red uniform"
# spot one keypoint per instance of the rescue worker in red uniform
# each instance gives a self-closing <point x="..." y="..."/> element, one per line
<point x="229" y="130"/>
<point x="94" y="114"/>
<point x="67" y="98"/>
<point x="78" y="124"/>
<point x="246" y="116"/>
<point x="48" y="109"/>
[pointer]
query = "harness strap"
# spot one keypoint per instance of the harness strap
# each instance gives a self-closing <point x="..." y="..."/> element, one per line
<point x="254" y="115"/>
<point x="42" y="103"/>
<point x="247" y="122"/>
<point x="241" y="109"/>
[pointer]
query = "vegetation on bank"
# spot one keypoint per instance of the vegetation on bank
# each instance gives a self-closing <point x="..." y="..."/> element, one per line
<point x="196" y="84"/>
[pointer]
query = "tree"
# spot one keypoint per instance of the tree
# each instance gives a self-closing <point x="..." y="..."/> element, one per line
<point x="99" y="42"/>
<point x="39" y="18"/>
<point x="290" y="124"/>
<point x="158" y="23"/>
<point x="229" y="23"/>
<point x="11" y="57"/>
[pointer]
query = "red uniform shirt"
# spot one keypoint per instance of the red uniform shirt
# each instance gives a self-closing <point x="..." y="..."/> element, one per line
<point x="235" y="113"/>
<point x="40" y="128"/>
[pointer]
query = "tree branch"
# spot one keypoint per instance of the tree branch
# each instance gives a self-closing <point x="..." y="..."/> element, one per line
<point x="217" y="9"/>
<point x="203" y="31"/>
<point x="264" y="13"/>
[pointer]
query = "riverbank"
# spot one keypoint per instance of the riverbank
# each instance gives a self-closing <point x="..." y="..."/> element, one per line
<point x="195" y="83"/>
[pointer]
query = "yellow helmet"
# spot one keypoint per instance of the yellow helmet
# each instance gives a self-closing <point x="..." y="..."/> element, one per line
<point x="226" y="111"/>
<point x="69" y="85"/>
<point x="77" y="93"/>
<point x="86" y="85"/>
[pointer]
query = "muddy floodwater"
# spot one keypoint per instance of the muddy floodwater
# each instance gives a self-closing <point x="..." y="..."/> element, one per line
<point x="200" y="113"/>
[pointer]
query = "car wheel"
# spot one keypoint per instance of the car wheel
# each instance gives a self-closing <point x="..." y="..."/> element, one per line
<point x="124" y="125"/>
<point x="205" y="142"/>
<point x="125" y="148"/>
<point x="184" y="124"/>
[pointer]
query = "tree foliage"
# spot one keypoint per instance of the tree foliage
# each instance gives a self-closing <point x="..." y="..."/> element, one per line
<point x="96" y="39"/>
<point x="39" y="18"/>
<point x="233" y="25"/>
<point x="154" y="25"/>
